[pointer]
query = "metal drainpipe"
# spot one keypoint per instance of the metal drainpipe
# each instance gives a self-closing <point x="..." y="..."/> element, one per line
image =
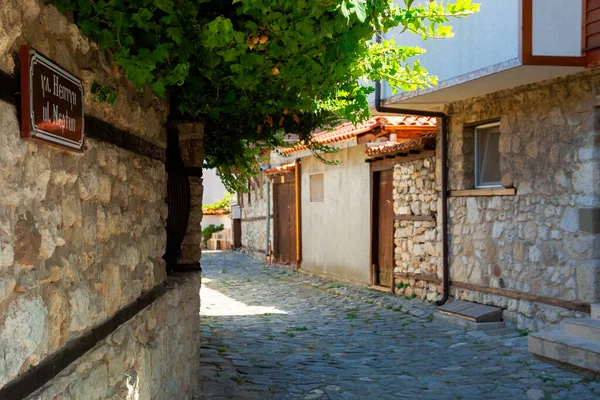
<point x="298" y="214"/>
<point x="444" y="156"/>
<point x="268" y="219"/>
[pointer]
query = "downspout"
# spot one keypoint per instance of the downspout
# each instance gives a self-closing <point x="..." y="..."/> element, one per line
<point x="298" y="215"/>
<point x="444" y="155"/>
<point x="268" y="235"/>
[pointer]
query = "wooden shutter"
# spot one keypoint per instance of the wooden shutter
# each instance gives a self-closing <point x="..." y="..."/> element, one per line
<point x="591" y="32"/>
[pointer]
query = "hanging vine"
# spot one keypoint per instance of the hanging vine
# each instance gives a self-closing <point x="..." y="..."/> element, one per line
<point x="254" y="69"/>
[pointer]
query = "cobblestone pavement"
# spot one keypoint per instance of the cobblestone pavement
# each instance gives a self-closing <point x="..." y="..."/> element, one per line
<point x="269" y="333"/>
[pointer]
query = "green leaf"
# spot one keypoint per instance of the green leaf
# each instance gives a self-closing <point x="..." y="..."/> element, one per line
<point x="165" y="5"/>
<point x="158" y="88"/>
<point x="119" y="22"/>
<point x="176" y="34"/>
<point x="214" y="113"/>
<point x="141" y="18"/>
<point x="106" y="39"/>
<point x="230" y="98"/>
<point x="84" y="7"/>
<point x="347" y="42"/>
<point x="360" y="9"/>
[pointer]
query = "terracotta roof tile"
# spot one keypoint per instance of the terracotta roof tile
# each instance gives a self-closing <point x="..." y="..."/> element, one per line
<point x="281" y="169"/>
<point x="207" y="211"/>
<point x="348" y="130"/>
<point x="400" y="147"/>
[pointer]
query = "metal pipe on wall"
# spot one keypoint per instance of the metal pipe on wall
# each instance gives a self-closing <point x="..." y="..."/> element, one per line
<point x="268" y="233"/>
<point x="444" y="156"/>
<point x="298" y="215"/>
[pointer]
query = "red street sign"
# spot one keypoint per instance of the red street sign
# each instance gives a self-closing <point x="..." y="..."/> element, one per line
<point x="51" y="102"/>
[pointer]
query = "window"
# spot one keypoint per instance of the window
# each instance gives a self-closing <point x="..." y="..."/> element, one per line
<point x="487" y="156"/>
<point x="316" y="188"/>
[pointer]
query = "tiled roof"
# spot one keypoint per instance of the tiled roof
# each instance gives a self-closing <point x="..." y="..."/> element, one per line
<point x="206" y="211"/>
<point x="281" y="169"/>
<point x="400" y="147"/>
<point x="348" y="130"/>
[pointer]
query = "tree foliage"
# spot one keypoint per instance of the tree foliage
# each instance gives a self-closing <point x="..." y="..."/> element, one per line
<point x="222" y="204"/>
<point x="254" y="69"/>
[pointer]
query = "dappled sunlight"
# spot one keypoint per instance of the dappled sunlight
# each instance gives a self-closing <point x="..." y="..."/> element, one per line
<point x="215" y="303"/>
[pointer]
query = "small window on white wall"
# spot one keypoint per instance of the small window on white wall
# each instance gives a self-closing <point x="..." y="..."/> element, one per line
<point x="316" y="188"/>
<point x="487" y="156"/>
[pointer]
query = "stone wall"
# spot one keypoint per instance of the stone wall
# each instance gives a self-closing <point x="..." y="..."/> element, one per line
<point x="254" y="215"/>
<point x="532" y="242"/>
<point x="81" y="234"/>
<point x="149" y="357"/>
<point x="417" y="243"/>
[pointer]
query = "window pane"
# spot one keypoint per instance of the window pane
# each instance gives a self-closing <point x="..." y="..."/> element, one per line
<point x="488" y="156"/>
<point x="316" y="188"/>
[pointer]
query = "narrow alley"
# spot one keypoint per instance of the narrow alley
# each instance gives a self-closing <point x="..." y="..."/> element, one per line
<point x="270" y="333"/>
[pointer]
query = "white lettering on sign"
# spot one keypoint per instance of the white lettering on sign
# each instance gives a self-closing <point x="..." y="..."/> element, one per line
<point x="64" y="93"/>
<point x="62" y="120"/>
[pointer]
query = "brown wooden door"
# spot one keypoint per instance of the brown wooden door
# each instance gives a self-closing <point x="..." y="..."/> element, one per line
<point x="237" y="233"/>
<point x="284" y="219"/>
<point x="383" y="225"/>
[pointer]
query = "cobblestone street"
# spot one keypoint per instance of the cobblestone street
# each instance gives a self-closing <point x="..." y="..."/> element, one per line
<point x="270" y="333"/>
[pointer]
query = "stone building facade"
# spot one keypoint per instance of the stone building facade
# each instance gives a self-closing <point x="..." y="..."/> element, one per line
<point x="531" y="253"/>
<point x="532" y="242"/>
<point x="254" y="217"/>
<point x="82" y="235"/>
<point x="531" y="246"/>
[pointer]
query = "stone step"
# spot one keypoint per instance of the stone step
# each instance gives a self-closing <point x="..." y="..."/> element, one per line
<point x="476" y="326"/>
<point x="595" y="310"/>
<point x="472" y="311"/>
<point x="566" y="348"/>
<point x="586" y="328"/>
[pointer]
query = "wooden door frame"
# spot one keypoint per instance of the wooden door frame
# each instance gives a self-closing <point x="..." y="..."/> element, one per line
<point x="376" y="168"/>
<point x="276" y="180"/>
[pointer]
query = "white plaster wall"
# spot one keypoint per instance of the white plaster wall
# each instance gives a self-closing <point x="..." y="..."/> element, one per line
<point x="557" y="27"/>
<point x="213" y="188"/>
<point x="482" y="40"/>
<point x="217" y="220"/>
<point x="224" y="219"/>
<point x="335" y="233"/>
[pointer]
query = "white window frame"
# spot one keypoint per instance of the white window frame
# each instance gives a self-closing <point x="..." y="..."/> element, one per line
<point x="476" y="138"/>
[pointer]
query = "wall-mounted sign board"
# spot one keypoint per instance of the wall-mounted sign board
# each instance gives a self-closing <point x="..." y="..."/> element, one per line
<point x="51" y="102"/>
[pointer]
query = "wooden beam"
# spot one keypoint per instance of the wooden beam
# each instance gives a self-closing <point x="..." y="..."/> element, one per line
<point x="254" y="219"/>
<point x="569" y="305"/>
<point x="483" y="192"/>
<point x="95" y="128"/>
<point x="380" y="165"/>
<point x="566" y="304"/>
<point x="40" y="374"/>
<point x="419" y="277"/>
<point x="414" y="217"/>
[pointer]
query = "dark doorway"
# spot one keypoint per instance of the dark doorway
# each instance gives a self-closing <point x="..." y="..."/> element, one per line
<point x="284" y="219"/>
<point x="383" y="227"/>
<point x="237" y="233"/>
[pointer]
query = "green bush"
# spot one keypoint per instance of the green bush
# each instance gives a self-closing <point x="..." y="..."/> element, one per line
<point x="209" y="230"/>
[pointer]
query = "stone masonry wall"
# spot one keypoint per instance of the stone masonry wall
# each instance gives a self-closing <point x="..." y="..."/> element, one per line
<point x="532" y="242"/>
<point x="417" y="251"/>
<point x="81" y="235"/>
<point x="149" y="357"/>
<point x="254" y="214"/>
